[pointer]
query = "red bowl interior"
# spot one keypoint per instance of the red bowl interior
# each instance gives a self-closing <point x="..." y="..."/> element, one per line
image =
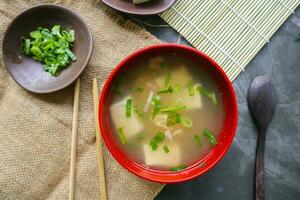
<point x="227" y="132"/>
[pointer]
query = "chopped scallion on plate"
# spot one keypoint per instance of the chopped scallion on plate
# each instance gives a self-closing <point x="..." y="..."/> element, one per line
<point x="51" y="48"/>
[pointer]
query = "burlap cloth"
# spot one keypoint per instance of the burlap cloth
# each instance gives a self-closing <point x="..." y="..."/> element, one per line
<point x="35" y="130"/>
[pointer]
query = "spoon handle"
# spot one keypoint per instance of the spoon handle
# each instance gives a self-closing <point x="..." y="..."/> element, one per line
<point x="260" y="167"/>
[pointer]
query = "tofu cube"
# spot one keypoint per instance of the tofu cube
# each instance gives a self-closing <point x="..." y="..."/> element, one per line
<point x="132" y="125"/>
<point x="180" y="76"/>
<point x="159" y="158"/>
<point x="191" y="102"/>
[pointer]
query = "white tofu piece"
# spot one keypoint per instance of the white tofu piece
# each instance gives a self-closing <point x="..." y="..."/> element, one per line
<point x="191" y="102"/>
<point x="180" y="76"/>
<point x="132" y="125"/>
<point x="161" y="159"/>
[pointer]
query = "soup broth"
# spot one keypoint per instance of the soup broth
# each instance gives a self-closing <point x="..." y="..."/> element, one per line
<point x="166" y="113"/>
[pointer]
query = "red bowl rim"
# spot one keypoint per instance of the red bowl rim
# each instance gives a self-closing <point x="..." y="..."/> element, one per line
<point x="161" y="176"/>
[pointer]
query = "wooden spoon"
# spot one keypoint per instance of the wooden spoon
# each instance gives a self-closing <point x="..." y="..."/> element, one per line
<point x="261" y="102"/>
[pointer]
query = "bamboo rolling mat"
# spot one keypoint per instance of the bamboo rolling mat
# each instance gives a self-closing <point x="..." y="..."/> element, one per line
<point x="230" y="31"/>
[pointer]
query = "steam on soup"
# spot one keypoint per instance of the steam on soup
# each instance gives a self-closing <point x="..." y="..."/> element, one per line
<point x="166" y="113"/>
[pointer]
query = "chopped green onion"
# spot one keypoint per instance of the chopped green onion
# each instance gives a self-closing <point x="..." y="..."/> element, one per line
<point x="211" y="138"/>
<point x="179" y="168"/>
<point x="128" y="107"/>
<point x="122" y="135"/>
<point x="177" y="88"/>
<point x="212" y="96"/>
<point x="157" y="139"/>
<point x="51" y="48"/>
<point x="191" y="88"/>
<point x="117" y="85"/>
<point x="197" y="140"/>
<point x="173" y="109"/>
<point x="36" y="34"/>
<point x="168" y="90"/>
<point x="201" y="164"/>
<point x="138" y="112"/>
<point x="157" y="105"/>
<point x="140" y="89"/>
<point x="162" y="65"/>
<point x="153" y="145"/>
<point x="187" y="122"/>
<point x="173" y="118"/>
<point x="140" y="136"/>
<point x="168" y="80"/>
<point x="166" y="149"/>
<point x="71" y="55"/>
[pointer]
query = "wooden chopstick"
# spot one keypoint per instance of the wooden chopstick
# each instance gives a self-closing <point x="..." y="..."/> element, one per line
<point x="101" y="167"/>
<point x="74" y="140"/>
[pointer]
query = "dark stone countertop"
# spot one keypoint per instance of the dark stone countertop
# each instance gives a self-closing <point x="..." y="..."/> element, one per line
<point x="232" y="178"/>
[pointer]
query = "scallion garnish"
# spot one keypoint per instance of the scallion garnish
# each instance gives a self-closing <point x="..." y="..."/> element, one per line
<point x="162" y="65"/>
<point x="191" y="88"/>
<point x="201" y="164"/>
<point x="168" y="80"/>
<point x="177" y="88"/>
<point x="212" y="96"/>
<point x="51" y="48"/>
<point x="173" y="118"/>
<point x="157" y="105"/>
<point x="128" y="107"/>
<point x="168" y="90"/>
<point x="138" y="112"/>
<point x="173" y="108"/>
<point x="197" y="140"/>
<point x="157" y="139"/>
<point x="117" y="85"/>
<point x="166" y="149"/>
<point x="211" y="138"/>
<point x="140" y="136"/>
<point x="122" y="135"/>
<point x="140" y="89"/>
<point x="185" y="121"/>
<point x="179" y="168"/>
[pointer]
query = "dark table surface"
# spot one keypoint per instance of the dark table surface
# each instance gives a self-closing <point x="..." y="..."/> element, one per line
<point x="232" y="178"/>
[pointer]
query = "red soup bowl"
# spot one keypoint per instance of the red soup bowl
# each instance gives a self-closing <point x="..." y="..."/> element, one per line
<point x="227" y="132"/>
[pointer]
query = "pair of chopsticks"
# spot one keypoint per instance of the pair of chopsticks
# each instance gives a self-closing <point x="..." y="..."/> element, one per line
<point x="101" y="167"/>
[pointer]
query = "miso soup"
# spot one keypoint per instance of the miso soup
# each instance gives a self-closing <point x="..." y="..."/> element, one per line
<point x="166" y="112"/>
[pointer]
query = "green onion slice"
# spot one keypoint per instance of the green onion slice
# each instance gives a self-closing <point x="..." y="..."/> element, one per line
<point x="128" y="107"/>
<point x="168" y="90"/>
<point x="122" y="135"/>
<point x="211" y="138"/>
<point x="173" y="108"/>
<point x="157" y="139"/>
<point x="156" y="101"/>
<point x="191" y="88"/>
<point x="197" y="140"/>
<point x="167" y="80"/>
<point x="179" y="168"/>
<point x="166" y="149"/>
<point x="186" y="122"/>
<point x="210" y="95"/>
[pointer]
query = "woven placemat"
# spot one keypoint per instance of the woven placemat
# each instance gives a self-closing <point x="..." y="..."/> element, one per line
<point x="35" y="130"/>
<point x="230" y="31"/>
